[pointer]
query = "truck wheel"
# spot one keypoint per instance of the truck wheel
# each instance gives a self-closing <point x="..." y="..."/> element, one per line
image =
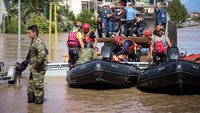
<point x="172" y="32"/>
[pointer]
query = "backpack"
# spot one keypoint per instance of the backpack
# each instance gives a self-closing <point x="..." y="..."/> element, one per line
<point x="160" y="46"/>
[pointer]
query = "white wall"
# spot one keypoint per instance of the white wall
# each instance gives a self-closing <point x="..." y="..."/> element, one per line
<point x="75" y="6"/>
<point x="2" y="9"/>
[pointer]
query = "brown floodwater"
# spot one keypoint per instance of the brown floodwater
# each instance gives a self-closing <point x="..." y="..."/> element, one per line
<point x="59" y="98"/>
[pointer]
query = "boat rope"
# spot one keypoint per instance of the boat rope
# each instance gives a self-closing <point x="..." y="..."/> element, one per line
<point x="101" y="79"/>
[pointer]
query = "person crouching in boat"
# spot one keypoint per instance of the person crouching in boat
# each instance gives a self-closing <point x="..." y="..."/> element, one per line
<point x="146" y="34"/>
<point x="127" y="47"/>
<point x="87" y="54"/>
<point x="159" y="44"/>
<point x="74" y="43"/>
<point x="90" y="41"/>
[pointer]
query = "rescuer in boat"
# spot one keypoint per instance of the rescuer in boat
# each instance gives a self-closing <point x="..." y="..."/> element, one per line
<point x="90" y="42"/>
<point x="159" y="44"/>
<point x="127" y="47"/>
<point x="146" y="34"/>
<point x="87" y="54"/>
<point x="89" y="35"/>
<point x="75" y="43"/>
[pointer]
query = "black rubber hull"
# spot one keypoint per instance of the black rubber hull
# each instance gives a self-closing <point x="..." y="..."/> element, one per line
<point x="101" y="74"/>
<point x="177" y="76"/>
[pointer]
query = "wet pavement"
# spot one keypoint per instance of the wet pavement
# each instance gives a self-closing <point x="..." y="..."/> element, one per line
<point x="59" y="98"/>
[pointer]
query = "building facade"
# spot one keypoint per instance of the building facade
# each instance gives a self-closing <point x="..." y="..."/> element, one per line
<point x="78" y="5"/>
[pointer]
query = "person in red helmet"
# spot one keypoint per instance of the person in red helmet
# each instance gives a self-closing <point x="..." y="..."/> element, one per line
<point x="88" y="35"/>
<point x="127" y="47"/>
<point x="147" y="33"/>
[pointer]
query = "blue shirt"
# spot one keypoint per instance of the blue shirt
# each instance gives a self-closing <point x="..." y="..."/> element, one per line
<point x="104" y="14"/>
<point x="161" y="16"/>
<point x="112" y="18"/>
<point x="127" y="44"/>
<point x="130" y="13"/>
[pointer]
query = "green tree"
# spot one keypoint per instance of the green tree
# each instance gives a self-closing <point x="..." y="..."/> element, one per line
<point x="177" y="11"/>
<point x="65" y="18"/>
<point x="37" y="12"/>
<point x="87" y="17"/>
<point x="27" y="8"/>
<point x="31" y="13"/>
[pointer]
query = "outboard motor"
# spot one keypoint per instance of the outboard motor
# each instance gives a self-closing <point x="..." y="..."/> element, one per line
<point x="173" y="53"/>
<point x="106" y="52"/>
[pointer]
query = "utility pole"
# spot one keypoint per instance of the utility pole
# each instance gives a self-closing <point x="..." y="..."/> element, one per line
<point x="19" y="28"/>
<point x="50" y="22"/>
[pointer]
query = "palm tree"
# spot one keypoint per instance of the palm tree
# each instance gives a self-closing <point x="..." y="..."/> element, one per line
<point x="28" y="7"/>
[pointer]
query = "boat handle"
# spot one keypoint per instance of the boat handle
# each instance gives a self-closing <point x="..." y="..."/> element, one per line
<point x="196" y="67"/>
<point x="161" y="68"/>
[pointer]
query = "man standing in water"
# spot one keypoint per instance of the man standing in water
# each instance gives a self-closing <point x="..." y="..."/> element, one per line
<point x="38" y="53"/>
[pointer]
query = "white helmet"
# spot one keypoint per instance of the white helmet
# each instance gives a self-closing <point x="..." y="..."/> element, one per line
<point x="183" y="53"/>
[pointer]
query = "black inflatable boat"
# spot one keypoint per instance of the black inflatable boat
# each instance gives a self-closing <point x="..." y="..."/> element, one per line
<point x="103" y="73"/>
<point x="100" y="73"/>
<point x="174" y="76"/>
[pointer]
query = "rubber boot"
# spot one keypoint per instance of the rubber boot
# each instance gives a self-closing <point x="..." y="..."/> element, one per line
<point x="31" y="98"/>
<point x="39" y="101"/>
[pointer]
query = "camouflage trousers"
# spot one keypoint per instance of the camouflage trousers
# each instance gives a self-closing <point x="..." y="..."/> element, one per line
<point x="86" y="55"/>
<point x="35" y="87"/>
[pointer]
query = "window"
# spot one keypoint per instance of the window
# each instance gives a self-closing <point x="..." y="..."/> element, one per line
<point x="88" y="5"/>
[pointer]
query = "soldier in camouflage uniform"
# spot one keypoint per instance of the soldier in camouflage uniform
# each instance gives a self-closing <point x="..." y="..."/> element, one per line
<point x="87" y="54"/>
<point x="37" y="65"/>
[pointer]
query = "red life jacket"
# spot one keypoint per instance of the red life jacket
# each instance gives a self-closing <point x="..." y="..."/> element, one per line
<point x="134" y="47"/>
<point x="87" y="38"/>
<point x="160" y="46"/>
<point x="73" y="41"/>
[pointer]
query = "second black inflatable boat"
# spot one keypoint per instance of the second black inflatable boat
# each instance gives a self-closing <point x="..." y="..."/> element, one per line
<point x="173" y="77"/>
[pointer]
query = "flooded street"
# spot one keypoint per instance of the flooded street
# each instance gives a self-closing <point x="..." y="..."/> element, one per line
<point x="189" y="38"/>
<point x="59" y="98"/>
